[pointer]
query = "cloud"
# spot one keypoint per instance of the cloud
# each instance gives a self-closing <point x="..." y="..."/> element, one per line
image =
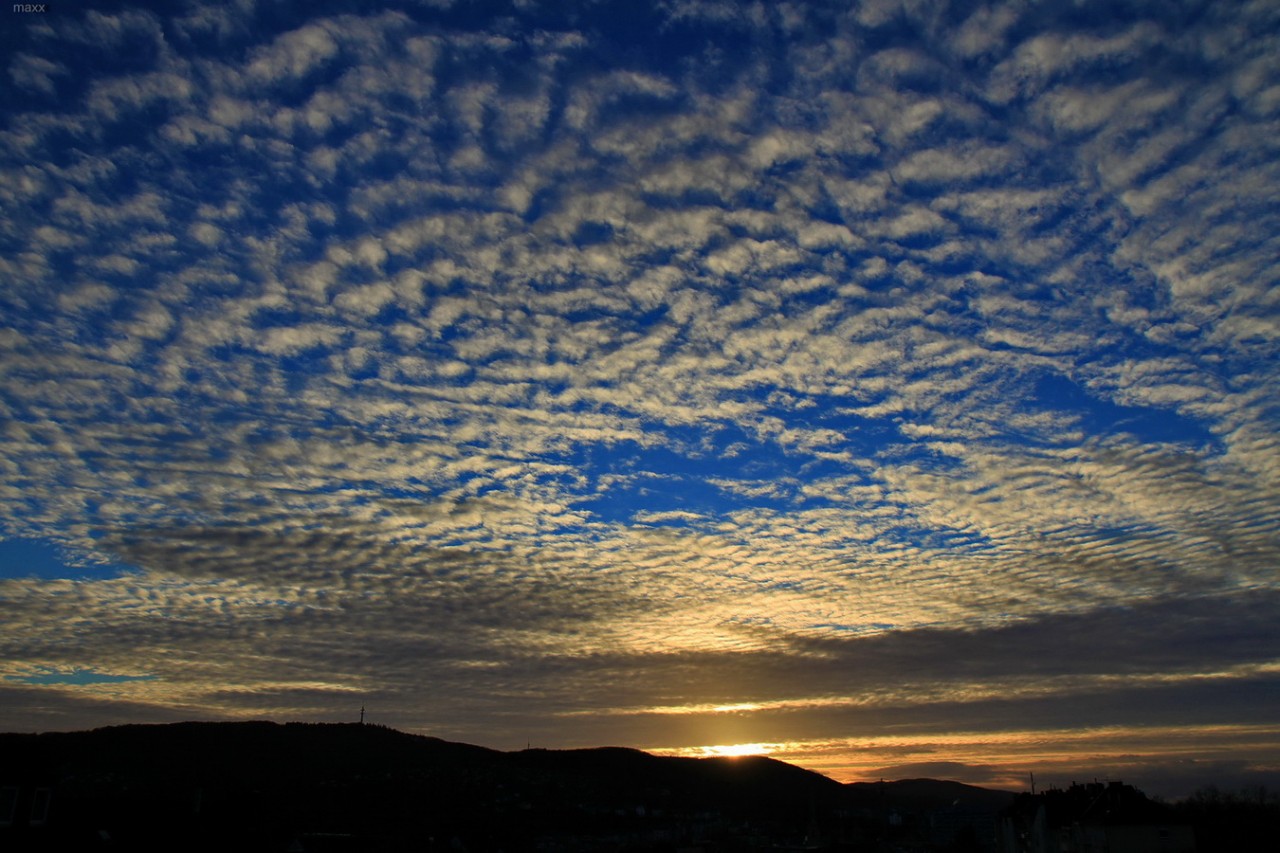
<point x="293" y="54"/>
<point x="971" y="774"/>
<point x="35" y="72"/>
<point x="896" y="362"/>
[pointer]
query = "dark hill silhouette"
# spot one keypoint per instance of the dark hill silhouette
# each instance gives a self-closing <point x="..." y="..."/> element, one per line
<point x="927" y="795"/>
<point x="266" y="786"/>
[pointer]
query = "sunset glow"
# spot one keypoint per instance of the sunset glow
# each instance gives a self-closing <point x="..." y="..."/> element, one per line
<point x="891" y="388"/>
<point x="726" y="750"/>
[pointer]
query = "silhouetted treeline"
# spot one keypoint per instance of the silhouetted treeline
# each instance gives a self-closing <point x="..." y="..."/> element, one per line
<point x="1246" y="821"/>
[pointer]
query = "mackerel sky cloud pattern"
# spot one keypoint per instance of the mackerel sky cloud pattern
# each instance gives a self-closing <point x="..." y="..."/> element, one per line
<point x="890" y="384"/>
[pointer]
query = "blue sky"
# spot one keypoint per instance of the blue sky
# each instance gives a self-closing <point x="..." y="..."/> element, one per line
<point x="890" y="384"/>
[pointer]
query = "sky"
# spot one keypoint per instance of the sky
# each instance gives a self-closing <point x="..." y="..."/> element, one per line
<point x="886" y="387"/>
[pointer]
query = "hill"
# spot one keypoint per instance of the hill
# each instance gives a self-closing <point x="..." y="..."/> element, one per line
<point x="267" y="786"/>
<point x="928" y="795"/>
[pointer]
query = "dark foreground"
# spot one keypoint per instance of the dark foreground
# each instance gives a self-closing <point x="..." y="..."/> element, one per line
<point x="268" y="787"/>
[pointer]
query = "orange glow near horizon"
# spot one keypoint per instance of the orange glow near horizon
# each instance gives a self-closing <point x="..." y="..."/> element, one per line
<point x="723" y="750"/>
<point x="1000" y="759"/>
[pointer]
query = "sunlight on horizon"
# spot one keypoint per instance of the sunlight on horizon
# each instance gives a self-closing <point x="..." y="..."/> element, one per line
<point x="1002" y="760"/>
<point x="885" y="388"/>
<point x="723" y="750"/>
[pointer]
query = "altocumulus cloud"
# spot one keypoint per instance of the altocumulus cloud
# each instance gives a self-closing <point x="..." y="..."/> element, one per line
<point x="533" y="372"/>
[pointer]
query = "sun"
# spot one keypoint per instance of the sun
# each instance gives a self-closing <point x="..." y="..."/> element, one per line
<point x="736" y="750"/>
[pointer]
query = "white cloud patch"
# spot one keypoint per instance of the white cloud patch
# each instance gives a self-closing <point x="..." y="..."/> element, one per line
<point x="293" y="54"/>
<point x="516" y="353"/>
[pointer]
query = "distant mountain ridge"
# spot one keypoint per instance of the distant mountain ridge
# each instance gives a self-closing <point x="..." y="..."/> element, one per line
<point x="932" y="794"/>
<point x="260" y="785"/>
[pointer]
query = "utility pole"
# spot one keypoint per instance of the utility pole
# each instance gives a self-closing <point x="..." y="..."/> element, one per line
<point x="362" y="715"/>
